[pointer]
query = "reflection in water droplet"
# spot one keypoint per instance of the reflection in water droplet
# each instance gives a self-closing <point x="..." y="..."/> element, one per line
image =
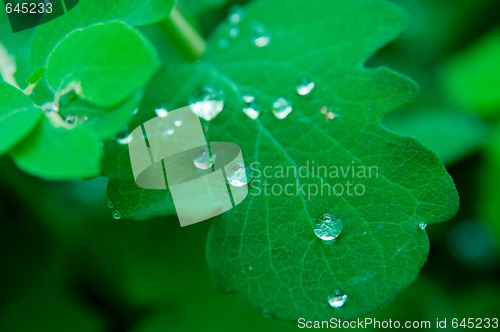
<point x="238" y="175"/>
<point x="422" y="226"/>
<point x="116" y="214"/>
<point x="282" y="108"/>
<point x="305" y="86"/>
<point x="202" y="158"/>
<point x="207" y="102"/>
<point x="337" y="299"/>
<point x="162" y="112"/>
<point x="328" y="227"/>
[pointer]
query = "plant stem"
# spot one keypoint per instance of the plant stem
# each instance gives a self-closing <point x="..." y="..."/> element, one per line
<point x="183" y="35"/>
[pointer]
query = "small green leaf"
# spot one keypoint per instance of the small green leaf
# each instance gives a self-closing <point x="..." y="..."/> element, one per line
<point x="114" y="63"/>
<point x="18" y="116"/>
<point x="451" y="134"/>
<point x="88" y="12"/>
<point x="36" y="76"/>
<point x="471" y="78"/>
<point x="56" y="151"/>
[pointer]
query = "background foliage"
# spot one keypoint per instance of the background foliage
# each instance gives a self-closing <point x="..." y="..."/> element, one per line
<point x="68" y="265"/>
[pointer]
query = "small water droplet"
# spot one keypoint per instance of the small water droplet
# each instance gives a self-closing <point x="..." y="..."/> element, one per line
<point x="261" y="38"/>
<point x="50" y="107"/>
<point x="305" y="86"/>
<point x="234" y="32"/>
<point x="238" y="175"/>
<point x="252" y="108"/>
<point x="422" y="226"/>
<point x="250" y="268"/>
<point x="337" y="299"/>
<point x="71" y="119"/>
<point x="328" y="227"/>
<point x="223" y="43"/>
<point x="235" y="15"/>
<point x="162" y="112"/>
<point x="124" y="138"/>
<point x="202" y="158"/>
<point x="135" y="111"/>
<point x="178" y="123"/>
<point x="207" y="102"/>
<point x="110" y="204"/>
<point x="116" y="214"/>
<point x="282" y="108"/>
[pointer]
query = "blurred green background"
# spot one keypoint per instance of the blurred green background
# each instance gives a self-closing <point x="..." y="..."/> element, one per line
<point x="67" y="265"/>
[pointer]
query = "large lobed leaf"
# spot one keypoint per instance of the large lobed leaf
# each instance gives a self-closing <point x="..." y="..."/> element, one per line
<point x="265" y="249"/>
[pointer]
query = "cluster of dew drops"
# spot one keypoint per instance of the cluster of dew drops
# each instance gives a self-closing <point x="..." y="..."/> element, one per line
<point x="208" y="101"/>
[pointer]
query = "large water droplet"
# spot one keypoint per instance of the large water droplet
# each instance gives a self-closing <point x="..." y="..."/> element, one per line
<point x="162" y="112"/>
<point x="238" y="175"/>
<point x="305" y="86"/>
<point x="252" y="108"/>
<point x="337" y="299"/>
<point x="261" y="38"/>
<point x="422" y="226"/>
<point x="328" y="227"/>
<point x="116" y="214"/>
<point x="282" y="108"/>
<point x="207" y="102"/>
<point x="202" y="158"/>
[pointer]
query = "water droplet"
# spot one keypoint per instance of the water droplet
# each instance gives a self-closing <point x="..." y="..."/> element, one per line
<point x="252" y="108"/>
<point x="282" y="108"/>
<point x="235" y="15"/>
<point x="162" y="112"/>
<point x="202" y="158"/>
<point x="110" y="204"/>
<point x="238" y="175"/>
<point x="305" y="86"/>
<point x="261" y="38"/>
<point x="422" y="226"/>
<point x="337" y="300"/>
<point x="178" y="123"/>
<point x="124" y="138"/>
<point x="116" y="214"/>
<point x="207" y="102"/>
<point x="50" y="107"/>
<point x="135" y="111"/>
<point x="223" y="43"/>
<point x="250" y="268"/>
<point x="328" y="227"/>
<point x="71" y="119"/>
<point x="234" y="32"/>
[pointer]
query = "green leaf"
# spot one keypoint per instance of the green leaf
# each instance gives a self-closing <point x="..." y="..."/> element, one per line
<point x="57" y="151"/>
<point x="471" y="78"/>
<point x="381" y="249"/>
<point x="115" y="62"/>
<point x="451" y="134"/>
<point x="18" y="116"/>
<point x="88" y="12"/>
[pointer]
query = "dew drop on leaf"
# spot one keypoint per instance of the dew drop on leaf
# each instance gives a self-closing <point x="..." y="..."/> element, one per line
<point x="252" y="108"/>
<point x="110" y="204"/>
<point x="261" y="38"/>
<point x="116" y="214"/>
<point x="124" y="138"/>
<point x="202" y="158"/>
<point x="305" y="86"/>
<point x="250" y="268"/>
<point x="207" y="102"/>
<point x="337" y="299"/>
<point x="235" y="15"/>
<point x="223" y="43"/>
<point x="178" y="123"/>
<point x="238" y="175"/>
<point x="234" y="32"/>
<point x="162" y="112"/>
<point x="422" y="226"/>
<point x="328" y="227"/>
<point x="282" y="107"/>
